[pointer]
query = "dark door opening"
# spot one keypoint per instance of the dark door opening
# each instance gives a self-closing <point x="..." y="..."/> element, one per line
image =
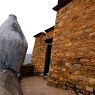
<point x="47" y="56"/>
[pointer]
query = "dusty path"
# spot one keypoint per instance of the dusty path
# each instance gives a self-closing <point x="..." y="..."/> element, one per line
<point x="37" y="86"/>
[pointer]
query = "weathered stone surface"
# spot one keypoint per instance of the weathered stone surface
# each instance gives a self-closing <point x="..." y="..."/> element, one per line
<point x="74" y="43"/>
<point x="38" y="55"/>
<point x="68" y="44"/>
<point x="88" y="30"/>
<point x="90" y="89"/>
<point x="9" y="84"/>
<point x="13" y="48"/>
<point x="92" y="35"/>
<point x="64" y="69"/>
<point x="91" y="81"/>
<point x="13" y="45"/>
<point x="67" y="64"/>
<point x="77" y="66"/>
<point x="84" y="60"/>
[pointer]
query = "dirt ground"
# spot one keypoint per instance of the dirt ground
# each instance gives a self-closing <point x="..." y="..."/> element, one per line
<point x="38" y="86"/>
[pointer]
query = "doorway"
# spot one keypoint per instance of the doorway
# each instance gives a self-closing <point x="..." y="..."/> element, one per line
<point x="47" y="56"/>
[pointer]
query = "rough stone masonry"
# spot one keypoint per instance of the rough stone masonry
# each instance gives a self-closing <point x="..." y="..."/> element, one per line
<point x="72" y="62"/>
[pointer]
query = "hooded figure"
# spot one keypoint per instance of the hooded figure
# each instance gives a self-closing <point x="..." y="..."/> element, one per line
<point x="13" y="47"/>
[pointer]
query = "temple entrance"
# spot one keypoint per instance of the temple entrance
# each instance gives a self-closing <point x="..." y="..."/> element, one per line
<point x="47" y="55"/>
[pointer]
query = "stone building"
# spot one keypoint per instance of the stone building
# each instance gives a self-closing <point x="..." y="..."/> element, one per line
<point x="66" y="51"/>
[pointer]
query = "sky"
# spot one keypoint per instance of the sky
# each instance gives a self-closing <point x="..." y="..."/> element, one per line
<point x="34" y="16"/>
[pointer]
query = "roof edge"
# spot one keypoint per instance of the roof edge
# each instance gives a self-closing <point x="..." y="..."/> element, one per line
<point x="61" y="4"/>
<point x="39" y="34"/>
<point x="49" y="29"/>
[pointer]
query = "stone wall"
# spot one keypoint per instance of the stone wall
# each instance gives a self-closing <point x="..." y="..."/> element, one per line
<point x="73" y="47"/>
<point x="38" y="55"/>
<point x="49" y="33"/>
<point x="73" y="50"/>
<point x="39" y="50"/>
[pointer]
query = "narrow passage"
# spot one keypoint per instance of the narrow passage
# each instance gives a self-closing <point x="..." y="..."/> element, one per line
<point x="38" y="86"/>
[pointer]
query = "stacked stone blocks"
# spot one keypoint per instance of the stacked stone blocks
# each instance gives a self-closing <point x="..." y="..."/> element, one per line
<point x="73" y="47"/>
